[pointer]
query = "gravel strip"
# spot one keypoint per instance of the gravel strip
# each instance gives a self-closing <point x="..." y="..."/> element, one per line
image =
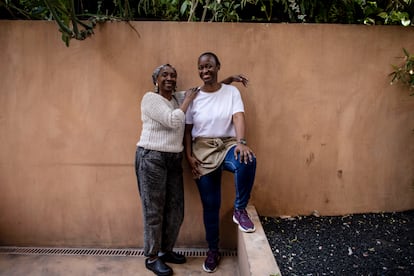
<point x="360" y="244"/>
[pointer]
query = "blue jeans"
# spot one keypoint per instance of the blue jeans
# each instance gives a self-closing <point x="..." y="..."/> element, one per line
<point x="209" y="187"/>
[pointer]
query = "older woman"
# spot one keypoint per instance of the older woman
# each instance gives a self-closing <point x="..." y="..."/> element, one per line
<point x="159" y="171"/>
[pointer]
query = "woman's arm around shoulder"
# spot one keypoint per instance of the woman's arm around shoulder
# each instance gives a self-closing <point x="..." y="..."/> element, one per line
<point x="236" y="78"/>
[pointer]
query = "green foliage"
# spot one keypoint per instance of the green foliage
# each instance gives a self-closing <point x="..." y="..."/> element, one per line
<point x="161" y="9"/>
<point x="25" y="9"/>
<point x="193" y="10"/>
<point x="349" y="11"/>
<point x="404" y="73"/>
<point x="391" y="13"/>
<point x="77" y="18"/>
<point x="63" y="11"/>
<point x="224" y="11"/>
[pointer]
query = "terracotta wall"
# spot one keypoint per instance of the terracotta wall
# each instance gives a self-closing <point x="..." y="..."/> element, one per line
<point x="329" y="131"/>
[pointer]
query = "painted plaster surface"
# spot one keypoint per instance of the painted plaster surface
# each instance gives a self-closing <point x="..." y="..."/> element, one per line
<point x="329" y="131"/>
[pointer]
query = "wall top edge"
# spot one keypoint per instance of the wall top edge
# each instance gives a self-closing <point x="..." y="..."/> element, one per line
<point x="408" y="28"/>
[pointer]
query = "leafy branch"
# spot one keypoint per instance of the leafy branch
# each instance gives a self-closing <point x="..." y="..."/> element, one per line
<point x="63" y="11"/>
<point x="404" y="73"/>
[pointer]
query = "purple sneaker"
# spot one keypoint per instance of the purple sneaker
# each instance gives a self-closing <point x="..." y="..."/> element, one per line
<point x="241" y="217"/>
<point x="212" y="261"/>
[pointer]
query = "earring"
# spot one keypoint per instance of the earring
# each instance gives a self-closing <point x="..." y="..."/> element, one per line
<point x="156" y="88"/>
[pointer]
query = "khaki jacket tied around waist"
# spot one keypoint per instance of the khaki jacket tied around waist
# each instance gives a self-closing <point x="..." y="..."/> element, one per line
<point x="211" y="151"/>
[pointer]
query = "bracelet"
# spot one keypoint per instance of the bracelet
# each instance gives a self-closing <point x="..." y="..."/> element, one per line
<point x="242" y="141"/>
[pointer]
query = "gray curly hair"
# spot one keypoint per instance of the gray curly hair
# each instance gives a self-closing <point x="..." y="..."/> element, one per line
<point x="156" y="73"/>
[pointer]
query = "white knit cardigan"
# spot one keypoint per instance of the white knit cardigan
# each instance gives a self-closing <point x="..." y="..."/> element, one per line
<point x="162" y="124"/>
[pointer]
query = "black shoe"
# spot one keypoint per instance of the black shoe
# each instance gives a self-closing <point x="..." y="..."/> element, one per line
<point x="174" y="258"/>
<point x="158" y="267"/>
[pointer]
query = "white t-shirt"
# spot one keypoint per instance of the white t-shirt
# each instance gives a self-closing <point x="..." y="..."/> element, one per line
<point x="211" y="113"/>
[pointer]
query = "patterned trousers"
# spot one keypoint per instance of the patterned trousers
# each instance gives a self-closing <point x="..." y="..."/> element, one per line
<point x="160" y="184"/>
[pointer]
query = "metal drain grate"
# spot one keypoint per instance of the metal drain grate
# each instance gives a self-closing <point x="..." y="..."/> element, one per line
<point x="188" y="252"/>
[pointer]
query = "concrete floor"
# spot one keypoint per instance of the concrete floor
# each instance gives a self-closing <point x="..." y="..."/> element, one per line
<point x="254" y="258"/>
<point x="48" y="265"/>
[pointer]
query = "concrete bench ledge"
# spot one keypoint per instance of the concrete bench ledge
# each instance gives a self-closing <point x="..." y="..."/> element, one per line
<point x="255" y="256"/>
